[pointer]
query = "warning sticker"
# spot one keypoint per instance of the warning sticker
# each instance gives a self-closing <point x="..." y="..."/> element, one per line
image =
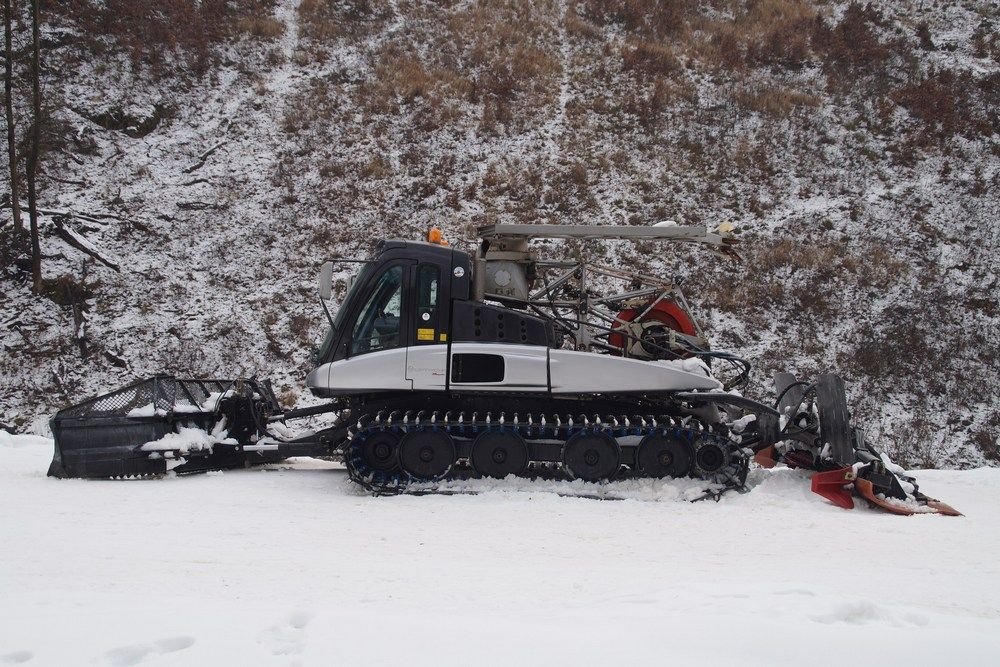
<point x="425" y="334"/>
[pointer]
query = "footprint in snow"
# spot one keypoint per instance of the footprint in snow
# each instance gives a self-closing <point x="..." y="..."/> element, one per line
<point x="300" y="618"/>
<point x="136" y="653"/>
<point x="863" y="612"/>
<point x="16" y="658"/>
<point x="288" y="638"/>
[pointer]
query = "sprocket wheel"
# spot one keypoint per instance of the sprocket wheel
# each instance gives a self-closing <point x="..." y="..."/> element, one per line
<point x="380" y="451"/>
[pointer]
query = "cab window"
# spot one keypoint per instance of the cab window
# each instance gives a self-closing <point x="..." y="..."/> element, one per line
<point x="427" y="302"/>
<point x="378" y="325"/>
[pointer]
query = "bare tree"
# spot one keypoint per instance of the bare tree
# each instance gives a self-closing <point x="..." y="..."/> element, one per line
<point x="15" y="202"/>
<point x="33" y="148"/>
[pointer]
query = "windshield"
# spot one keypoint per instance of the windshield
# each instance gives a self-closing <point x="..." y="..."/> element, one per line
<point x="338" y="319"/>
<point x="378" y="324"/>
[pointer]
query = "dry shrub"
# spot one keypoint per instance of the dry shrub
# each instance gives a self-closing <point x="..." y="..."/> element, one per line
<point x="649" y="105"/>
<point x="852" y="46"/>
<point x="649" y="58"/>
<point x="376" y="168"/>
<point x="150" y="31"/>
<point x="824" y="258"/>
<point x="913" y="443"/>
<point x="788" y="274"/>
<point x="510" y="47"/>
<point x="987" y="438"/>
<point x="724" y="49"/>
<point x="67" y="290"/>
<point x="772" y="101"/>
<point x="880" y="268"/>
<point x="656" y="20"/>
<point x="577" y="26"/>
<point x="262" y="27"/>
<point x="315" y="104"/>
<point x="986" y="41"/>
<point x="318" y="20"/>
<point x="923" y="33"/>
<point x="324" y="20"/>
<point x="496" y="114"/>
<point x="567" y="189"/>
<point x="754" y="159"/>
<point x="900" y="344"/>
<point x="404" y="76"/>
<point x="947" y="103"/>
<point x="762" y="33"/>
<point x="509" y="75"/>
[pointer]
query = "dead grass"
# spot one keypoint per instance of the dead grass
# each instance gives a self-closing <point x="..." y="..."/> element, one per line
<point x="576" y="26"/>
<point x="949" y="103"/>
<point x="325" y="20"/>
<point x="649" y="58"/>
<point x="773" y="101"/>
<point x="151" y="32"/>
<point x="67" y="289"/>
<point x="511" y="49"/>
<point x="761" y="33"/>
<point x="376" y="168"/>
<point x="806" y="278"/>
<point x="987" y="437"/>
<point x="262" y="27"/>
<point x="853" y="47"/>
<point x="652" y="20"/>
<point x="404" y="75"/>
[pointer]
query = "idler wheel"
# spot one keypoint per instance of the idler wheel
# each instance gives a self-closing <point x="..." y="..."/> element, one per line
<point x="710" y="457"/>
<point x="426" y="455"/>
<point x="498" y="453"/>
<point x="380" y="451"/>
<point x="592" y="457"/>
<point x="664" y="456"/>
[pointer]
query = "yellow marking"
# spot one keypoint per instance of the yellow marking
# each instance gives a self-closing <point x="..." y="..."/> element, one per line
<point x="443" y="337"/>
<point x="425" y="334"/>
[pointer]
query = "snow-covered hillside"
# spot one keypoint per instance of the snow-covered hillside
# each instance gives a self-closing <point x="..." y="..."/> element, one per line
<point x="291" y="566"/>
<point x="219" y="155"/>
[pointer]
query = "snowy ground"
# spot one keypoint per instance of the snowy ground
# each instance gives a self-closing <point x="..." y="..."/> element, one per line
<point x="289" y="566"/>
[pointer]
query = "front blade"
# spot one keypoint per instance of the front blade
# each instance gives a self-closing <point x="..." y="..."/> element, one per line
<point x="104" y="436"/>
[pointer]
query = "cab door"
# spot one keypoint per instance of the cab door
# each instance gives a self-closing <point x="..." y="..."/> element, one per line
<point x="372" y="330"/>
<point x="427" y="352"/>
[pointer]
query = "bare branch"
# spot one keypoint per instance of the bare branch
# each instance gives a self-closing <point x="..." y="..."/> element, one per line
<point x="204" y="157"/>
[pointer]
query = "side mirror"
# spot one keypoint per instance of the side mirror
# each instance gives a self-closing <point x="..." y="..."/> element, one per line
<point x="326" y="281"/>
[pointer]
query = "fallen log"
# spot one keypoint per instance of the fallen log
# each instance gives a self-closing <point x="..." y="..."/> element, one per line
<point x="82" y="244"/>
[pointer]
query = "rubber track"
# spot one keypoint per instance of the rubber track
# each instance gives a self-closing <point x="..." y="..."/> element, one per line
<point x="533" y="428"/>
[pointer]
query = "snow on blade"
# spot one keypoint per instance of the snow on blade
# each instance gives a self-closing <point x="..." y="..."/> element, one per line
<point x="188" y="439"/>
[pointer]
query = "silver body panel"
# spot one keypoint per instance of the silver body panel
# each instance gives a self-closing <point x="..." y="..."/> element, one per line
<point x="575" y="372"/>
<point x="527" y="368"/>
<point x="427" y="367"/>
<point x="384" y="370"/>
